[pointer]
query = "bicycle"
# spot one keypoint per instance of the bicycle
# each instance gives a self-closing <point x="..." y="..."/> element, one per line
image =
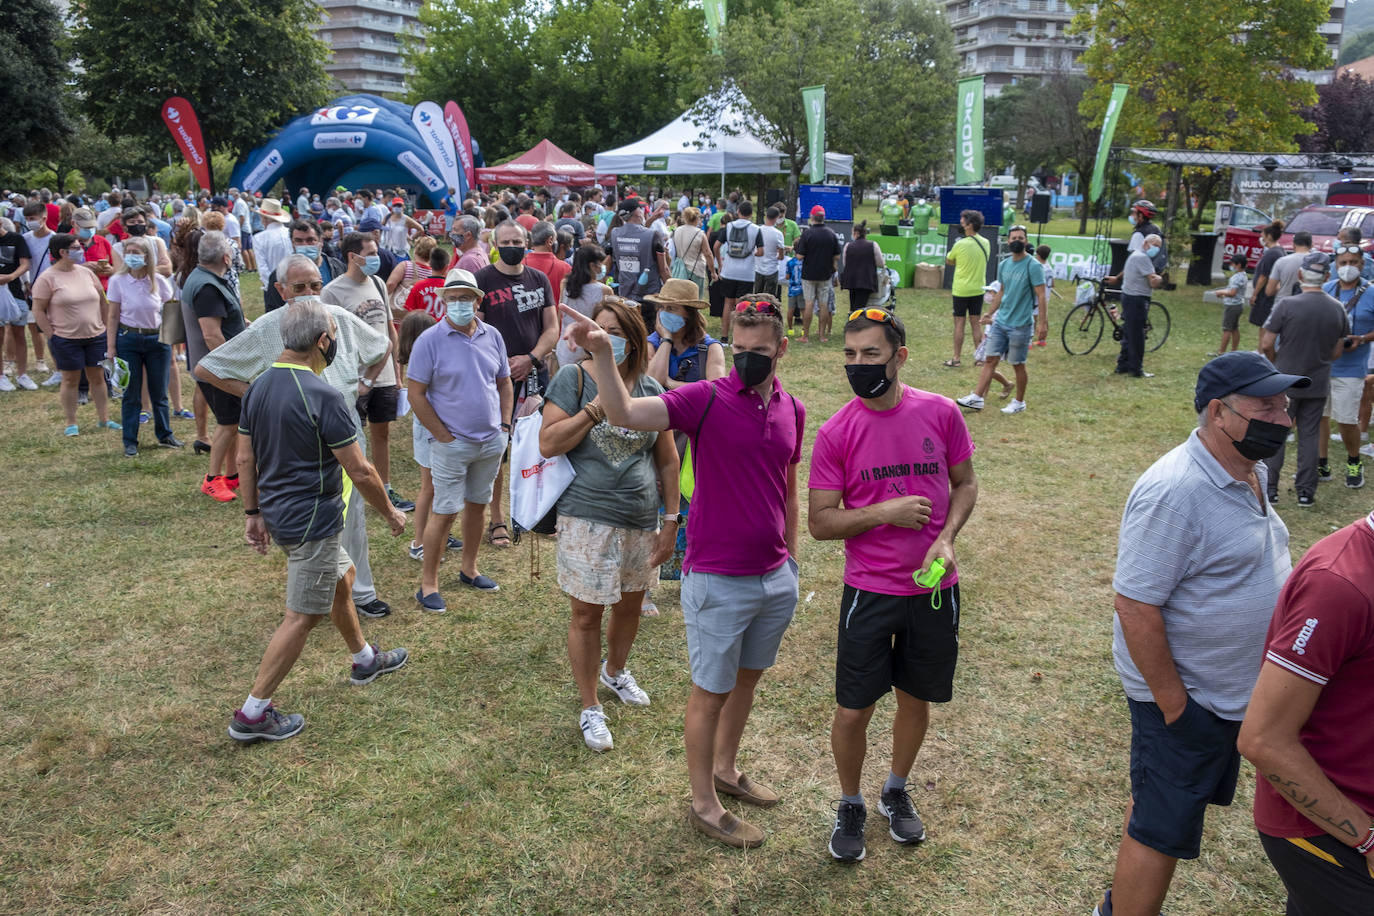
<point x="1084" y="323"/>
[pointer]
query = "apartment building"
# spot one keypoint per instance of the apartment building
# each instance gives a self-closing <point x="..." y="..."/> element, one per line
<point x="364" y="36"/>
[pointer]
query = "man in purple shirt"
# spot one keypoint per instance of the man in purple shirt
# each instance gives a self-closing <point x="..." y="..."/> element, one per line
<point x="460" y="389"/>
<point x="739" y="584"/>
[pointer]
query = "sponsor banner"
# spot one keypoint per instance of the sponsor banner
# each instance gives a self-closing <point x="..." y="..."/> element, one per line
<point x="1104" y="143"/>
<point x="428" y="119"/>
<point x="1280" y="193"/>
<point x="968" y="139"/>
<point x="655" y="163"/>
<point x="181" y="120"/>
<point x="414" y="166"/>
<point x="1242" y="241"/>
<point x="434" y="221"/>
<point x="715" y="22"/>
<point x="457" y="124"/>
<point x="344" y="116"/>
<point x="331" y="139"/>
<point x="1072" y="255"/>
<point x="813" y="100"/>
<point x="264" y="170"/>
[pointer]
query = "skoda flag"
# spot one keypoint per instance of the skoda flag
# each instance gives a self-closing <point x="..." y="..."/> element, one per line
<point x="968" y="138"/>
<point x="1104" y="145"/>
<point x="813" y="99"/>
<point x="715" y="21"/>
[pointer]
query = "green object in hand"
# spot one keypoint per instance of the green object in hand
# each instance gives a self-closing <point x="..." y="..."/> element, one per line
<point x="931" y="577"/>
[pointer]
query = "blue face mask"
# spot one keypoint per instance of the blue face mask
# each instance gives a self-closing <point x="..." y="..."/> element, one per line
<point x="135" y="261"/>
<point x="461" y="313"/>
<point x="371" y="264"/>
<point x="1151" y="252"/>
<point x="618" y="345"/>
<point x="85" y="234"/>
<point x="310" y="251"/>
<point x="671" y="323"/>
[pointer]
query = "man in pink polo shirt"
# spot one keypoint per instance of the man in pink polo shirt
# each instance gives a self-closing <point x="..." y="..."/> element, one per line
<point x="891" y="474"/>
<point x="739" y="583"/>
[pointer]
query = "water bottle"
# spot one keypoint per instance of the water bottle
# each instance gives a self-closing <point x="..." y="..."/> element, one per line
<point x="644" y="277"/>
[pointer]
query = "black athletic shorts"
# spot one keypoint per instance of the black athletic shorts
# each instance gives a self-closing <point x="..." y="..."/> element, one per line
<point x="736" y="289"/>
<point x="900" y="641"/>
<point x="967" y="305"/>
<point x="223" y="405"/>
<point x="1323" y="876"/>
<point x="380" y="404"/>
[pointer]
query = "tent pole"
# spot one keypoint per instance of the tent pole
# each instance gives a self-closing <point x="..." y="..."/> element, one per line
<point x="722" y="176"/>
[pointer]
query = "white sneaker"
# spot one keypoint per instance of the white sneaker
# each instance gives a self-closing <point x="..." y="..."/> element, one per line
<point x="41" y="366"/>
<point x="53" y="380"/>
<point x="26" y="383"/>
<point x="7" y="385"/>
<point x="1367" y="449"/>
<point x="625" y="687"/>
<point x="971" y="401"/>
<point x="1014" y="407"/>
<point x="594" y="730"/>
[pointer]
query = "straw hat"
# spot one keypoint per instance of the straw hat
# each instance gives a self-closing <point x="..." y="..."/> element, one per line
<point x="677" y="291"/>
<point x="271" y="209"/>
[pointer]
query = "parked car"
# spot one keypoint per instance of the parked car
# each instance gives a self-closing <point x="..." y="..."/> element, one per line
<point x="1323" y="221"/>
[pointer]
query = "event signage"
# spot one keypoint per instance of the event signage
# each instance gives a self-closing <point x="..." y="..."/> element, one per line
<point x="1104" y="144"/>
<point x="415" y="166"/>
<point x="836" y="200"/>
<point x="263" y="170"/>
<point x="655" y="163"/>
<point x="344" y="115"/>
<point x="181" y="120"/>
<point x="1074" y="256"/>
<point x="813" y="99"/>
<point x="715" y="21"/>
<point x="457" y="125"/>
<point x="968" y="139"/>
<point x="428" y="119"/>
<point x="335" y="139"/>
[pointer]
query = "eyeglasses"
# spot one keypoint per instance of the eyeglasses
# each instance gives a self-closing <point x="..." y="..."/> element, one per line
<point x="872" y="314"/>
<point x="458" y="297"/>
<point x="313" y="285"/>
<point x="762" y="306"/>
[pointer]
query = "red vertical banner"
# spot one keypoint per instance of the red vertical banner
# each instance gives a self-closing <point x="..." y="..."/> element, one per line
<point x="181" y="120"/>
<point x="457" y="125"/>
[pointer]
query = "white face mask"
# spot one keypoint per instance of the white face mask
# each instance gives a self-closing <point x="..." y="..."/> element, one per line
<point x="1349" y="273"/>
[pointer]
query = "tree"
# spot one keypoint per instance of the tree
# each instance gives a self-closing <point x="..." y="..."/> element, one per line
<point x="1016" y="133"/>
<point x="248" y="66"/>
<point x="1357" y="48"/>
<point x="33" y="70"/>
<point x="1344" y="115"/>
<point x="588" y="75"/>
<point x="1204" y="75"/>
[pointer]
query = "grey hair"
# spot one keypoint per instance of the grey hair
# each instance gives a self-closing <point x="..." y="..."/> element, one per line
<point x="6" y="225"/>
<point x="469" y="224"/>
<point x="541" y="234"/>
<point x="214" y="247"/>
<point x="305" y="320"/>
<point x="1157" y="239"/>
<point x="1311" y="277"/>
<point x="293" y="259"/>
<point x="505" y="223"/>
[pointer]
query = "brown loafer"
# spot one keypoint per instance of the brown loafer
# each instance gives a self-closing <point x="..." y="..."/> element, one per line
<point x="732" y="831"/>
<point x="749" y="792"/>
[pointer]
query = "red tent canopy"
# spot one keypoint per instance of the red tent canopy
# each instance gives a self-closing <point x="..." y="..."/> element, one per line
<point x="544" y="164"/>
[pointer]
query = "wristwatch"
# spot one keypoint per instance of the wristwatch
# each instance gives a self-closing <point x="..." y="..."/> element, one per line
<point x="678" y="519"/>
<point x="366" y="382"/>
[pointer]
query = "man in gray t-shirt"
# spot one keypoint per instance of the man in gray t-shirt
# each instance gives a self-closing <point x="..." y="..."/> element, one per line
<point x="1310" y="330"/>
<point x="1201" y="559"/>
<point x="1137" y="278"/>
<point x="1283" y="279"/>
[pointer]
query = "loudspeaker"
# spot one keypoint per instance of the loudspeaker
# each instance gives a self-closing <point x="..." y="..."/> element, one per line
<point x="1040" y="207"/>
<point x="775" y="196"/>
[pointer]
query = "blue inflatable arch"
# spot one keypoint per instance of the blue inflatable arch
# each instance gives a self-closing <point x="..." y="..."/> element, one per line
<point x="355" y="141"/>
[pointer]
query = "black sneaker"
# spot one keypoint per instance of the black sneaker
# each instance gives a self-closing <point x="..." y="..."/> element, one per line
<point x="1354" y="474"/>
<point x="382" y="662"/>
<point x="847" y="839"/>
<point x="1273" y="497"/>
<point x="398" y="501"/>
<point x="1305" y="501"/>
<point x="375" y="608"/>
<point x="904" y="824"/>
<point x="1323" y="471"/>
<point x="270" y="726"/>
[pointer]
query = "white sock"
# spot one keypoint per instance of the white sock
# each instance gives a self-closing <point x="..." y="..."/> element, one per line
<point x="365" y="655"/>
<point x="253" y="708"/>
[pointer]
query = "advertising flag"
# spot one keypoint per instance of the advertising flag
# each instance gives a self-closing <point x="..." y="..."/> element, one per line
<point x="428" y="119"/>
<point x="813" y="100"/>
<point x="715" y="21"/>
<point x="181" y="120"/>
<point x="968" y="139"/>
<point x="457" y="126"/>
<point x="1104" y="145"/>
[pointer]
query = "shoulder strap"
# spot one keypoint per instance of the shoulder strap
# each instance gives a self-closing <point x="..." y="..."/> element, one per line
<point x="381" y="290"/>
<point x="796" y="419"/>
<point x="709" y="401"/>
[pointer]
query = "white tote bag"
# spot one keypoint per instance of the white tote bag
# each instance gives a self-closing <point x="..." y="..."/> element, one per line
<point x="536" y="482"/>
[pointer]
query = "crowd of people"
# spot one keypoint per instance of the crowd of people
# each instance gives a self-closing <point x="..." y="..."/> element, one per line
<point x="1220" y="642"/>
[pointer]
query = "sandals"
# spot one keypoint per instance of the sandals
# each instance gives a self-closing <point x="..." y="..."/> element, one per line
<point x="951" y="364"/>
<point x="498" y="540"/>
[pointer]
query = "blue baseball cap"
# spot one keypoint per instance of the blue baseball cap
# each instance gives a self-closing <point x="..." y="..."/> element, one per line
<point x="1242" y="372"/>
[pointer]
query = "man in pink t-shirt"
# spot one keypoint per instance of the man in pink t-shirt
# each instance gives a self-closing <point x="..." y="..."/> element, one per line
<point x="1307" y="729"/>
<point x="739" y="582"/>
<point x="891" y="474"/>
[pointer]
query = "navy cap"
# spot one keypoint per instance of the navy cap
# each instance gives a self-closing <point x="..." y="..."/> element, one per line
<point x="1316" y="260"/>
<point x="1242" y="372"/>
<point x="369" y="224"/>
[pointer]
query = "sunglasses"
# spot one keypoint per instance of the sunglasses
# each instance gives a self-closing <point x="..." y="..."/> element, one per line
<point x="762" y="306"/>
<point x="1349" y="249"/>
<point x="872" y="314"/>
<point x="1014" y="228"/>
<point x="314" y="286"/>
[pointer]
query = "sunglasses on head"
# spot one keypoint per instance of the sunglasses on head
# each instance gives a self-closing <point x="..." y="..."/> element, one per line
<point x="762" y="306"/>
<point x="1349" y="249"/>
<point x="872" y="314"/>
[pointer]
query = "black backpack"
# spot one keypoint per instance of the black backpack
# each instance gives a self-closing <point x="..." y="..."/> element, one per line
<point x="737" y="241"/>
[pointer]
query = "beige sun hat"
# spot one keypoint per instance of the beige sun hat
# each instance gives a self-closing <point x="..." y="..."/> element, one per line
<point x="677" y="291"/>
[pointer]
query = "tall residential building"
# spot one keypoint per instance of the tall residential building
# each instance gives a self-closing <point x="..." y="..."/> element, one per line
<point x="1010" y="40"/>
<point x="364" y="36"/>
<point x="1332" y="30"/>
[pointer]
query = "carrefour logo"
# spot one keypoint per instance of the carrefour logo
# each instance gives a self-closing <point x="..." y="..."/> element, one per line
<point x="425" y="118"/>
<point x="173" y="114"/>
<point x="340" y="140"/>
<point x="352" y="114"/>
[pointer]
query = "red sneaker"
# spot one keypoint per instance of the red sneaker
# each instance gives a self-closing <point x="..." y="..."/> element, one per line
<point x="231" y="482"/>
<point x="216" y="488"/>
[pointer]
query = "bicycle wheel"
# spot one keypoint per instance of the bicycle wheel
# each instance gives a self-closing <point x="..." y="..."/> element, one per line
<point x="1156" y="326"/>
<point x="1082" y="329"/>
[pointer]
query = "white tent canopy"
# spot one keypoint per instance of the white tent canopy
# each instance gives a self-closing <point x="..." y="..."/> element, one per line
<point x="692" y="146"/>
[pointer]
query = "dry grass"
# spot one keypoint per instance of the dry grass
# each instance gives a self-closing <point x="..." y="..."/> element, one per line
<point x="134" y="618"/>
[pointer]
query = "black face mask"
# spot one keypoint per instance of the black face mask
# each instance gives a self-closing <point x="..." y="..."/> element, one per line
<point x="869" y="380"/>
<point x="1262" y="439"/>
<point x="1016" y="246"/>
<point x="511" y="255"/>
<point x="330" y="352"/>
<point x="136" y="229"/>
<point x="753" y="367"/>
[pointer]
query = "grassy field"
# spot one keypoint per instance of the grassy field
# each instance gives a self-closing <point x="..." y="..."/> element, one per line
<point x="135" y="616"/>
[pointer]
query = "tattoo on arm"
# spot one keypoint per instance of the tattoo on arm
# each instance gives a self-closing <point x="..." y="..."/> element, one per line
<point x="1306" y="803"/>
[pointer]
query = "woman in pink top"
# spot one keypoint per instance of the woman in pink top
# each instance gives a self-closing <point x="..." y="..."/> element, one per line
<point x="68" y="305"/>
<point x="136" y="296"/>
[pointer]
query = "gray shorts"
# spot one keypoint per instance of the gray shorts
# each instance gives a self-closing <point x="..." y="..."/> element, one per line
<point x="814" y="290"/>
<point x="1230" y="317"/>
<point x="464" y="471"/>
<point x="735" y="622"/>
<point x="313" y="569"/>
<point x="13" y="311"/>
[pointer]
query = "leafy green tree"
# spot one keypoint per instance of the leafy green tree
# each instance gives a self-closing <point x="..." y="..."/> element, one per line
<point x="1344" y="115"/>
<point x="1357" y="47"/>
<point x="248" y="67"/>
<point x="588" y="75"/>
<point x="33" y="70"/>
<point x="1204" y="75"/>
